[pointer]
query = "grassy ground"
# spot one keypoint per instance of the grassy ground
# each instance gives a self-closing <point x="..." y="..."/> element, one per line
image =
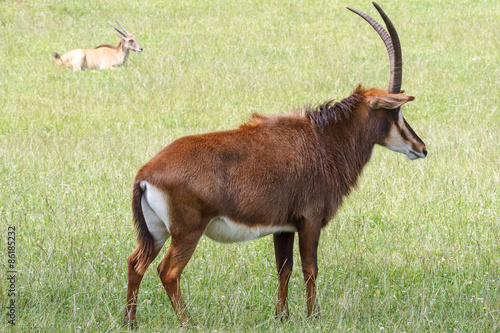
<point x="415" y="248"/>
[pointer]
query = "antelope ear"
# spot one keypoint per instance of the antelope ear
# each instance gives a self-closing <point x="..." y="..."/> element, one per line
<point x="388" y="101"/>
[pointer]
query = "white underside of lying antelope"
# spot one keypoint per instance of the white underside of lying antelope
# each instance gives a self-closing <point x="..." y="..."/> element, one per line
<point x="278" y="175"/>
<point x="103" y="56"/>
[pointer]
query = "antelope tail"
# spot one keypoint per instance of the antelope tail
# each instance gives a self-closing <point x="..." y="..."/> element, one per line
<point x="58" y="58"/>
<point x="144" y="252"/>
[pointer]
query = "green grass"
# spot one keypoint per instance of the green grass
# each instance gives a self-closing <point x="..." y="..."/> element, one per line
<point x="415" y="248"/>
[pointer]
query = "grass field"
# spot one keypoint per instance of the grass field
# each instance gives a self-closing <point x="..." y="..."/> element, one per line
<point x="415" y="248"/>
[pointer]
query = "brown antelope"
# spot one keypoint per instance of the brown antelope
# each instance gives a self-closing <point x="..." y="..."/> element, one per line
<point x="277" y="175"/>
<point x="103" y="56"/>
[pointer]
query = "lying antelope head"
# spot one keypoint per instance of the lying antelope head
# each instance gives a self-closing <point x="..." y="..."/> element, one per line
<point x="128" y="39"/>
<point x="387" y="104"/>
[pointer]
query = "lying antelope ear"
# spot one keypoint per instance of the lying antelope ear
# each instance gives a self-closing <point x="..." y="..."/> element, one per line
<point x="388" y="101"/>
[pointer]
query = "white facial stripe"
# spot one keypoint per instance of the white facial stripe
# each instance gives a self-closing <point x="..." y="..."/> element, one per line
<point x="395" y="141"/>
<point x="222" y="229"/>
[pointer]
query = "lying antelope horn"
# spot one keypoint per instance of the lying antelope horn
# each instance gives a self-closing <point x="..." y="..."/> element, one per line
<point x="128" y="33"/>
<point x="392" y="45"/>
<point x="121" y="32"/>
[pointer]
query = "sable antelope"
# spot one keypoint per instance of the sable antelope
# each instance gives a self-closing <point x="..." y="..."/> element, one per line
<point x="275" y="175"/>
<point x="103" y="56"/>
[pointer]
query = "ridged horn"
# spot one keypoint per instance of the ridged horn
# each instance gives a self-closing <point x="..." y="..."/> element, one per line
<point x="392" y="44"/>
<point x="128" y="33"/>
<point x="121" y="32"/>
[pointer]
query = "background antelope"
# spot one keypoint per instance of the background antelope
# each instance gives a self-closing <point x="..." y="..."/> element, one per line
<point x="274" y="175"/>
<point x="103" y="56"/>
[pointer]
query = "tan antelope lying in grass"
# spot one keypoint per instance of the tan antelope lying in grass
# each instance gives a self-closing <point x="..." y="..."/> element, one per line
<point x="279" y="175"/>
<point x="103" y="56"/>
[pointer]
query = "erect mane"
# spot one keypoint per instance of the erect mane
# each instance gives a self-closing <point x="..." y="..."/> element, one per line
<point x="331" y="112"/>
<point x="104" y="45"/>
<point x="110" y="46"/>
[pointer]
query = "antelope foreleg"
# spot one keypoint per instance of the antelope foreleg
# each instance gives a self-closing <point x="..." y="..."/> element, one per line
<point x="308" y="246"/>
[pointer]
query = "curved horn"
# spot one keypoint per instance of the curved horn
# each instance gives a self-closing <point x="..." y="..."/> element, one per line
<point x="397" y="70"/>
<point x="392" y="45"/>
<point x="121" y="32"/>
<point x="128" y="33"/>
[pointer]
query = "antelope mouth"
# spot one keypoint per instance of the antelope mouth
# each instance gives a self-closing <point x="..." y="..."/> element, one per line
<point x="413" y="155"/>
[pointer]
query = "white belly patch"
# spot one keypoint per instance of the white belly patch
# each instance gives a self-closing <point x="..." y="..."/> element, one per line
<point x="222" y="229"/>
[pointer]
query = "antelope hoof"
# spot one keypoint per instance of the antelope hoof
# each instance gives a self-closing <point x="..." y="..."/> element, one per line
<point x="314" y="315"/>
<point x="187" y="324"/>
<point x="130" y="323"/>
<point x="281" y="313"/>
<point x="283" y="316"/>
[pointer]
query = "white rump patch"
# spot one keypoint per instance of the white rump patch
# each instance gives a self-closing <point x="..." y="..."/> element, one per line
<point x="155" y="210"/>
<point x="222" y="229"/>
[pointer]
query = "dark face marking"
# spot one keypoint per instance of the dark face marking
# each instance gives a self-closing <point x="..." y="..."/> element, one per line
<point x="395" y="115"/>
<point x="413" y="133"/>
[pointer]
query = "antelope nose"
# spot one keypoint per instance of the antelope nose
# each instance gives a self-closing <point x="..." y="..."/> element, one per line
<point x="424" y="151"/>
